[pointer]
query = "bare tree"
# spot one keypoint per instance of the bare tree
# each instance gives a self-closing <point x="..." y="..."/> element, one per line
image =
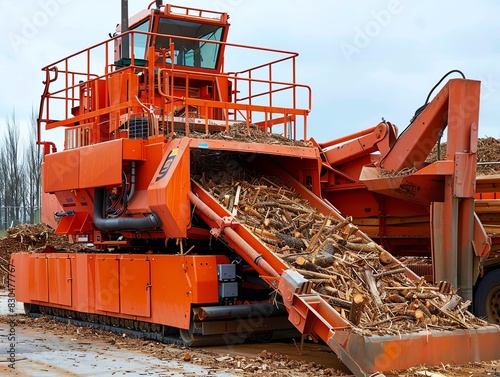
<point x="20" y="181"/>
<point x="32" y="164"/>
<point x="11" y="172"/>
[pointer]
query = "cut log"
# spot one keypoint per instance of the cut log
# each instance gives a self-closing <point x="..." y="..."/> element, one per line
<point x="418" y="305"/>
<point x="357" y="307"/>
<point x="348" y="230"/>
<point x="372" y="285"/>
<point x="394" y="298"/>
<point x="445" y="287"/>
<point x="330" y="248"/>
<point x="296" y="243"/>
<point x="423" y="295"/>
<point x="391" y="272"/>
<point x="318" y="275"/>
<point x="335" y="301"/>
<point x="421" y="282"/>
<point x="331" y="290"/>
<point x="419" y="315"/>
<point x="343" y="223"/>
<point x="385" y="258"/>
<point x="252" y="212"/>
<point x="266" y="234"/>
<point x="450" y="315"/>
<point x="452" y="304"/>
<point x="424" y="309"/>
<point x="234" y="211"/>
<point x="323" y="259"/>
<point x="304" y="263"/>
<point x="315" y="238"/>
<point x="365" y="247"/>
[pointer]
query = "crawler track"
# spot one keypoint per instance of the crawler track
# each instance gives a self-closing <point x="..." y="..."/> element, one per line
<point x="158" y="332"/>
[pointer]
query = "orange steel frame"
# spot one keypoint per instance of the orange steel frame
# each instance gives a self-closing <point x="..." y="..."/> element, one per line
<point x="98" y="111"/>
<point x="415" y="208"/>
<point x="151" y="288"/>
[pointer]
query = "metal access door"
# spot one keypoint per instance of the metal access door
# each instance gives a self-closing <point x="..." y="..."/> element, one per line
<point x="60" y="279"/>
<point x="135" y="287"/>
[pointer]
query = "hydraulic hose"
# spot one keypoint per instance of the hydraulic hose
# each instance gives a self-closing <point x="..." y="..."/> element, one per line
<point x="132" y="181"/>
<point x="121" y="223"/>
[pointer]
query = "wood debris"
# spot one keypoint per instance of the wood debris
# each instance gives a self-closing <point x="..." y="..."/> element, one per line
<point x="32" y="238"/>
<point x="347" y="269"/>
<point x="251" y="133"/>
<point x="488" y="151"/>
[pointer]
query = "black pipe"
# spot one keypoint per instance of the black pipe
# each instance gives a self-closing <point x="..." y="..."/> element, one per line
<point x="123" y="29"/>
<point x="120" y="223"/>
<point x="132" y="181"/>
<point x="240" y="311"/>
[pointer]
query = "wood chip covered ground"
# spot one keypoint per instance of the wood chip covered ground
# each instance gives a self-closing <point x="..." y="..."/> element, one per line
<point x="258" y="359"/>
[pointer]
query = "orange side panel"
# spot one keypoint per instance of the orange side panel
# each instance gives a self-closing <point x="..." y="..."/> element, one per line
<point x="170" y="291"/>
<point x="175" y="288"/>
<point x="99" y="95"/>
<point x="134" y="149"/>
<point x="123" y="86"/>
<point x="486" y="195"/>
<point x="19" y="277"/>
<point x="162" y="288"/>
<point x="60" y="279"/>
<point x="167" y="193"/>
<point x="83" y="271"/>
<point x="135" y="287"/>
<point x="139" y="202"/>
<point x="78" y="223"/>
<point x="60" y="171"/>
<point x="38" y="280"/>
<point x="101" y="164"/>
<point x="115" y="92"/>
<point x="49" y="206"/>
<point x="107" y="294"/>
<point x="202" y="271"/>
<point x="154" y="155"/>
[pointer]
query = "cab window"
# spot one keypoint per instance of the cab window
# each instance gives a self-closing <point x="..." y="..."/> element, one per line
<point x="140" y="40"/>
<point x="201" y="53"/>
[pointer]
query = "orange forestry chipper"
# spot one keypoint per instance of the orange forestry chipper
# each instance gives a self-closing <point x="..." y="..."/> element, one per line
<point x="164" y="257"/>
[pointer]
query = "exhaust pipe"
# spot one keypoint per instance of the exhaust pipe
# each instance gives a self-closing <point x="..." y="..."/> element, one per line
<point x="121" y="223"/>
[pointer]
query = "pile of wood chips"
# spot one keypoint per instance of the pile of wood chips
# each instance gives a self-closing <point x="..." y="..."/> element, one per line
<point x="356" y="276"/>
<point x="488" y="151"/>
<point x="252" y="133"/>
<point x="32" y="238"/>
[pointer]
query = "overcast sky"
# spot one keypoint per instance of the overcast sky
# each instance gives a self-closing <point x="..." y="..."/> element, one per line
<point x="363" y="59"/>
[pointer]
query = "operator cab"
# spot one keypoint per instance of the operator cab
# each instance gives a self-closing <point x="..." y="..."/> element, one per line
<point x="193" y="38"/>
